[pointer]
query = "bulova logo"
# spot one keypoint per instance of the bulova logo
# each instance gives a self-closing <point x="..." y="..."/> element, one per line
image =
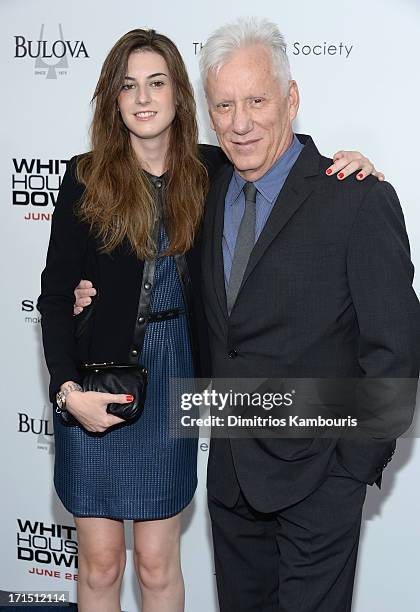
<point x="41" y="428"/>
<point x="51" y="56"/>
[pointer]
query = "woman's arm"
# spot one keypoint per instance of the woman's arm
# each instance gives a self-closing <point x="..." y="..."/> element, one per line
<point x="65" y="258"/>
<point x="65" y="262"/>
<point x="348" y="162"/>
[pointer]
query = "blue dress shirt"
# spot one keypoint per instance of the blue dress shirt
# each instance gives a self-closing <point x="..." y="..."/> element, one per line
<point x="268" y="189"/>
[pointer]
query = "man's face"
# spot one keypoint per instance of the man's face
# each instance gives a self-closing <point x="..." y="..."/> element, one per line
<point x="250" y="111"/>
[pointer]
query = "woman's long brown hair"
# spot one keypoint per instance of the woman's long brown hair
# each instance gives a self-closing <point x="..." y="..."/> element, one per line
<point x="118" y="202"/>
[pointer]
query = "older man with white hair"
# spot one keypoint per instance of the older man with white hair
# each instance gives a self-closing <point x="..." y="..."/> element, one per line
<point x="303" y="278"/>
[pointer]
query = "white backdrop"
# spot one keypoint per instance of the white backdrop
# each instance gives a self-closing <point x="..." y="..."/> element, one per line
<point x="357" y="67"/>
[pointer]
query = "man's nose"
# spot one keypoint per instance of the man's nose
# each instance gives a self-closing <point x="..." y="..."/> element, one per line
<point x="142" y="95"/>
<point x="242" y="121"/>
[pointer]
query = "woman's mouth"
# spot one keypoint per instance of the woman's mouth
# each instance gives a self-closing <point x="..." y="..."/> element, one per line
<point x="145" y="115"/>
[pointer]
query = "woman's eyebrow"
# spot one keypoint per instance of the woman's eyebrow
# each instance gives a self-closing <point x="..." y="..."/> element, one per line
<point x="150" y="76"/>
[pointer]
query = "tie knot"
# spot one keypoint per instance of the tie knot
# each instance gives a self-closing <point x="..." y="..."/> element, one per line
<point x="250" y="192"/>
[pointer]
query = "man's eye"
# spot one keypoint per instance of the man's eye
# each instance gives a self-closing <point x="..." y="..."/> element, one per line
<point x="257" y="100"/>
<point x="223" y="105"/>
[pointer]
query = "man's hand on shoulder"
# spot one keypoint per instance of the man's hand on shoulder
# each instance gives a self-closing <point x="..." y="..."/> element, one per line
<point x="83" y="293"/>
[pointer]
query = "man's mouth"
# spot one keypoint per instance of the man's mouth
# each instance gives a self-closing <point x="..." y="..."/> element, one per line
<point x="245" y="143"/>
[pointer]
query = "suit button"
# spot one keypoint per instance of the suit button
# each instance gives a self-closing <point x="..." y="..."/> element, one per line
<point x="232" y="354"/>
<point x="134" y="352"/>
<point x="141" y="319"/>
<point x="158" y="184"/>
<point x="147" y="286"/>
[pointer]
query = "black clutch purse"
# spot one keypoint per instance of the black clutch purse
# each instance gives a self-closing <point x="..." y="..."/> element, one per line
<point x="128" y="379"/>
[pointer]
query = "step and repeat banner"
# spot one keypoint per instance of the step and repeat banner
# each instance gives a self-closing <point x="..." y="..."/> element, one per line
<point x="356" y="64"/>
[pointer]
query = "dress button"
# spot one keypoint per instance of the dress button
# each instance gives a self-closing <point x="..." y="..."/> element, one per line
<point x="232" y="354"/>
<point x="147" y="286"/>
<point x="134" y="352"/>
<point x="141" y="319"/>
<point x="158" y="184"/>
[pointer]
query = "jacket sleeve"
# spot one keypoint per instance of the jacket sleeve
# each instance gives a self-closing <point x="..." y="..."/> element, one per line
<point x="213" y="158"/>
<point x="63" y="271"/>
<point x="380" y="276"/>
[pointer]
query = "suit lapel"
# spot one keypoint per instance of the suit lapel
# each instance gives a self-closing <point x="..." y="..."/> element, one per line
<point x="296" y="189"/>
<point x="222" y="180"/>
<point x="288" y="202"/>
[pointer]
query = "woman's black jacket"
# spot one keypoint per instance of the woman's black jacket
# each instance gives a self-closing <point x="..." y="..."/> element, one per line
<point x="108" y="331"/>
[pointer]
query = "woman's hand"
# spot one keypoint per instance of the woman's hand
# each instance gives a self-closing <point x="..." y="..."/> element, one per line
<point x="348" y="162"/>
<point x="89" y="408"/>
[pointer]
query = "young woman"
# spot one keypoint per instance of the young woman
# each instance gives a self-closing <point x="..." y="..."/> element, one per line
<point x="136" y="197"/>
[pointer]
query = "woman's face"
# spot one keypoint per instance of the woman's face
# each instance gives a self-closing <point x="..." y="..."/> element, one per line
<point x="146" y="101"/>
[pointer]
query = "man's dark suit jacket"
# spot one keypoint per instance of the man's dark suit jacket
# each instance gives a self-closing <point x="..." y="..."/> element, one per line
<point x="327" y="293"/>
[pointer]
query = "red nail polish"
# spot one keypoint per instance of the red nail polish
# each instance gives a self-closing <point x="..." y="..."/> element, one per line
<point x="341" y="175"/>
<point x="328" y="171"/>
<point x="129" y="398"/>
<point x="360" y="175"/>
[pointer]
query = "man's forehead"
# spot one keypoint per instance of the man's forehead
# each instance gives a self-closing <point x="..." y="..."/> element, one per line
<point x="250" y="56"/>
<point x="243" y="84"/>
<point x="247" y="65"/>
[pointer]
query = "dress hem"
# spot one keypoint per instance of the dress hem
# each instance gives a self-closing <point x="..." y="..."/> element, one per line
<point x="130" y="518"/>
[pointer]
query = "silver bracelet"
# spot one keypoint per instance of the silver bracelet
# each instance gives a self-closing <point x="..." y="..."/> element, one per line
<point x="71" y="387"/>
<point x="62" y="395"/>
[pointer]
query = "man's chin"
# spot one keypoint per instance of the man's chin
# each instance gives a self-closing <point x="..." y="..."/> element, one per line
<point x="248" y="169"/>
<point x="245" y="165"/>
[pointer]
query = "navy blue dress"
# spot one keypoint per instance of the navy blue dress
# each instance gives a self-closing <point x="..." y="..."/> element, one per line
<point x="138" y="471"/>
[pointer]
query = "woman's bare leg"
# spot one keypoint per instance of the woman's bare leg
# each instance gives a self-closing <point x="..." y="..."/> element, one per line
<point x="158" y="566"/>
<point x="101" y="564"/>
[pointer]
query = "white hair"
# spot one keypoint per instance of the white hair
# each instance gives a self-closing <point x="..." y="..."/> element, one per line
<point x="243" y="33"/>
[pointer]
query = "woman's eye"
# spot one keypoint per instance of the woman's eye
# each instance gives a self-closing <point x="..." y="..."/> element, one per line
<point x="127" y="86"/>
<point x="157" y="83"/>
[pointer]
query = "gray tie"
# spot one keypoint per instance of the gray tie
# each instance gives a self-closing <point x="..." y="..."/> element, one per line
<point x="244" y="244"/>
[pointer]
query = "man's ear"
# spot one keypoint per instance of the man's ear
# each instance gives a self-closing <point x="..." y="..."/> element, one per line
<point x="294" y="100"/>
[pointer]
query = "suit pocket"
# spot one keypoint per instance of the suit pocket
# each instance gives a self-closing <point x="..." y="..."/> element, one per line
<point x="294" y="449"/>
<point x="365" y="459"/>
